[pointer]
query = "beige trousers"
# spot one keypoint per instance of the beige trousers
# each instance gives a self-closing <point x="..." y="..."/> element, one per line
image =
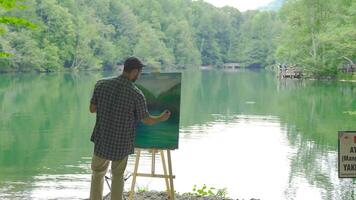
<point x="99" y="167"/>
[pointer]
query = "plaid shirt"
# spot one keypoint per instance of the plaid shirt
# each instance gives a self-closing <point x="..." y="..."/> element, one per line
<point x="120" y="105"/>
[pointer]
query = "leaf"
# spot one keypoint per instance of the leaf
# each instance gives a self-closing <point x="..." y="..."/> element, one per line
<point x="7" y="4"/>
<point x="18" y="22"/>
<point x="4" y="55"/>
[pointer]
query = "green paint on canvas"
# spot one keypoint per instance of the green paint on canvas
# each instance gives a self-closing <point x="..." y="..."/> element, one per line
<point x="162" y="91"/>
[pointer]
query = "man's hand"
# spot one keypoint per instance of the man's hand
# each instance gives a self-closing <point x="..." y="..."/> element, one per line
<point x="165" y="115"/>
<point x="150" y="120"/>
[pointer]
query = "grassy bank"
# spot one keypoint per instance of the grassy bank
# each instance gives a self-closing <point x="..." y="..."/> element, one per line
<point x="346" y="77"/>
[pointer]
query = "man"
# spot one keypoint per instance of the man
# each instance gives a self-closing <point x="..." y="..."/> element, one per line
<point x="119" y="105"/>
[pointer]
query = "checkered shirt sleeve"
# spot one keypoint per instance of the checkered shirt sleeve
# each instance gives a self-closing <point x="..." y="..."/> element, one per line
<point x="94" y="98"/>
<point x="141" y="111"/>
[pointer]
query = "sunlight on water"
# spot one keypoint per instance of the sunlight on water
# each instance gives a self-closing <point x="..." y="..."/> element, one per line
<point x="241" y="153"/>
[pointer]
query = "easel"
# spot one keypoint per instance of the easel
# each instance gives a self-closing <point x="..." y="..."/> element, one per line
<point x="167" y="176"/>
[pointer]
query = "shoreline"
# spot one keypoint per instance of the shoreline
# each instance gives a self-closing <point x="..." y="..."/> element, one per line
<point x="156" y="195"/>
<point x="340" y="79"/>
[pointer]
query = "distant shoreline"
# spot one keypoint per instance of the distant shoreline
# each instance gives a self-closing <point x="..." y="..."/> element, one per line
<point x="341" y="79"/>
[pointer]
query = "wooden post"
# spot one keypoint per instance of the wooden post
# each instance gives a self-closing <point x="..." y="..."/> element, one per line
<point x="153" y="165"/>
<point x="165" y="173"/>
<point x="170" y="173"/>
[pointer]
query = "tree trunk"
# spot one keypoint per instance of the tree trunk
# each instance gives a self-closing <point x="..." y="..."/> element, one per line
<point x="201" y="45"/>
<point x="314" y="50"/>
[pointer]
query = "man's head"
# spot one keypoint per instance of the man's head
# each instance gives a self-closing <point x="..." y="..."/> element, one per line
<point x="132" y="68"/>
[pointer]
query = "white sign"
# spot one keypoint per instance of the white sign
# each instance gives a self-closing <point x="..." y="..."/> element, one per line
<point x="347" y="154"/>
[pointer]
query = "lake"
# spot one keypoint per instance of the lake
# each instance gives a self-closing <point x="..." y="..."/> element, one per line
<point x="247" y="131"/>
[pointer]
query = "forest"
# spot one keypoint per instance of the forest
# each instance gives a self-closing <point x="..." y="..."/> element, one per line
<point x="55" y="35"/>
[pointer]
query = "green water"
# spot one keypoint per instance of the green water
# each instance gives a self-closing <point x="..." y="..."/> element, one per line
<point x="247" y="131"/>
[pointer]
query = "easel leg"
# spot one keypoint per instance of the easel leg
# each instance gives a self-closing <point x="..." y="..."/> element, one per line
<point x="153" y="164"/>
<point x="165" y="174"/>
<point x="138" y="153"/>
<point x="170" y="173"/>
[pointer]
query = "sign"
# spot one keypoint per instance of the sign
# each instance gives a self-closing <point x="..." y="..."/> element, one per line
<point x="347" y="154"/>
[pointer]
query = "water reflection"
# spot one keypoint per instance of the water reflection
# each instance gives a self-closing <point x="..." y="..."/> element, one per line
<point x="248" y="131"/>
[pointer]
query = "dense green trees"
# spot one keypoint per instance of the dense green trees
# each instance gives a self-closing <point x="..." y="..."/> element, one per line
<point x="96" y="34"/>
<point x="93" y="34"/>
<point x="319" y="36"/>
<point x="257" y="42"/>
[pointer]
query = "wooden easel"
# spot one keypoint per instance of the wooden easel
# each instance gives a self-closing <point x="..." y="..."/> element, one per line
<point x="167" y="176"/>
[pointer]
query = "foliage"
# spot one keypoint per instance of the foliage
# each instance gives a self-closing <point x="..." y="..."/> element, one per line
<point x="93" y="34"/>
<point x="141" y="189"/>
<point x="318" y="35"/>
<point x="16" y="21"/>
<point x="209" y="191"/>
<point x="11" y="20"/>
<point x="257" y="38"/>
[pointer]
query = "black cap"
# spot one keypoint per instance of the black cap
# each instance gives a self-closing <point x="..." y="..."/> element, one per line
<point x="132" y="63"/>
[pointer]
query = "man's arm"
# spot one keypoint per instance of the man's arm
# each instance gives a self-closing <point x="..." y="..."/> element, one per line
<point x="150" y="120"/>
<point x="94" y="99"/>
<point x="92" y="108"/>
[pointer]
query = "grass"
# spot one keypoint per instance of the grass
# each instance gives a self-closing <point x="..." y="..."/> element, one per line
<point x="346" y="76"/>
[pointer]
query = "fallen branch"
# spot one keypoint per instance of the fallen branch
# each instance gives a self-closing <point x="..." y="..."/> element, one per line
<point x="348" y="59"/>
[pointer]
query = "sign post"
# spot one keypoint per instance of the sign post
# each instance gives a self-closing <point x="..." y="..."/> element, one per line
<point x="347" y="154"/>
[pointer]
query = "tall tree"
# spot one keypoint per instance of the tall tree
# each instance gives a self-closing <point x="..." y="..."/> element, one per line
<point x="180" y="40"/>
<point x="152" y="49"/>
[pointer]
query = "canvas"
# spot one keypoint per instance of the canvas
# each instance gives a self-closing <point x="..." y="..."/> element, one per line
<point x="162" y="91"/>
